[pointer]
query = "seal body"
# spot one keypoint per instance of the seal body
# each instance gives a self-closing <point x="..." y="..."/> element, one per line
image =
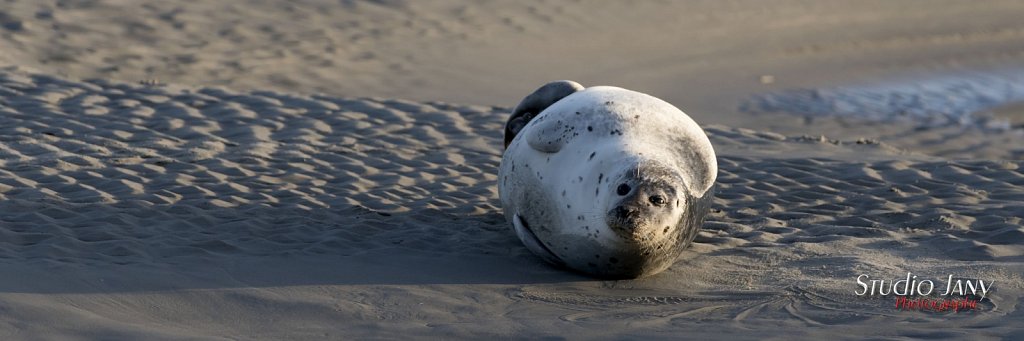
<point x="605" y="181"/>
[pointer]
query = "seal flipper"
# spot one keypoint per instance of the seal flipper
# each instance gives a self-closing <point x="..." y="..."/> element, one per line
<point x="548" y="136"/>
<point x="536" y="102"/>
<point x="529" y="239"/>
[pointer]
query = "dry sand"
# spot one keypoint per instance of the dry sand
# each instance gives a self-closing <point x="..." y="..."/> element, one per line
<point x="296" y="170"/>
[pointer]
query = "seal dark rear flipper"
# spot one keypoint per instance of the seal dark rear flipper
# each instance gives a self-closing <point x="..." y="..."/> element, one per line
<point x="536" y="102"/>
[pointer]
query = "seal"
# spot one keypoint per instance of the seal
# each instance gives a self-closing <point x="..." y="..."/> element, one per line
<point x="605" y="181"/>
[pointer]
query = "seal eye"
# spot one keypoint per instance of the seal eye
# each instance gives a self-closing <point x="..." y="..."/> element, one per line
<point x="623" y="189"/>
<point x="657" y="200"/>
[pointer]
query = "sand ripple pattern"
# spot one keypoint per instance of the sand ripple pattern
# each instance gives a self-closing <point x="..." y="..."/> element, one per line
<point x="124" y="173"/>
<point x="98" y="171"/>
<point x="964" y="210"/>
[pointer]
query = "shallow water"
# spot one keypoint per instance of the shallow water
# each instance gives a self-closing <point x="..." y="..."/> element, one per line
<point x="943" y="100"/>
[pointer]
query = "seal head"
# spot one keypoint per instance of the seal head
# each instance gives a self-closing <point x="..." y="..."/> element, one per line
<point x="653" y="217"/>
<point x="647" y="201"/>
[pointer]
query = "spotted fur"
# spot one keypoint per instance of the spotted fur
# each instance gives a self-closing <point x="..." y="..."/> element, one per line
<point x="624" y="185"/>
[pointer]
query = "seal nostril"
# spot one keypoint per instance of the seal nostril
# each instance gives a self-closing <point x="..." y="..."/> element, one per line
<point x="657" y="200"/>
<point x="622" y="212"/>
<point x="623" y="189"/>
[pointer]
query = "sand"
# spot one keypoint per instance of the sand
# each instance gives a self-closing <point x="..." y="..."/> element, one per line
<point x="326" y="170"/>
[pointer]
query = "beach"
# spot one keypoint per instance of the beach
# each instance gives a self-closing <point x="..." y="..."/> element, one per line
<point x="327" y="169"/>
